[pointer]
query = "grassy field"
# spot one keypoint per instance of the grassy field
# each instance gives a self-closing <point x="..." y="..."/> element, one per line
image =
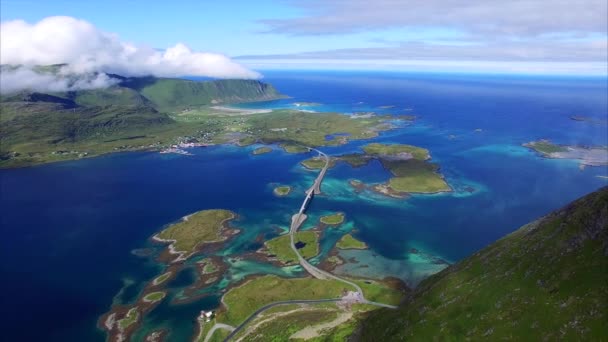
<point x="282" y="190"/>
<point x="242" y="301"/>
<point x="545" y="147"/>
<point x="545" y="281"/>
<point x="395" y="149"/>
<point x="333" y="219"/>
<point x="201" y="227"/>
<point x="349" y="242"/>
<point x="262" y="150"/>
<point x="161" y="278"/>
<point x="282" y="328"/>
<point x="280" y="246"/>
<point x="377" y="291"/>
<point x="130" y="318"/>
<point x="154" y="296"/>
<point x="415" y="175"/>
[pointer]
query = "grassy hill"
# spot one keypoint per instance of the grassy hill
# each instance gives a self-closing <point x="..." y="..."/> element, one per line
<point x="546" y="281"/>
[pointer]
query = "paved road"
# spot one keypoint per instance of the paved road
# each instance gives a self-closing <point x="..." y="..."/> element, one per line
<point x="218" y="326"/>
<point x="296" y="222"/>
<point x="271" y="305"/>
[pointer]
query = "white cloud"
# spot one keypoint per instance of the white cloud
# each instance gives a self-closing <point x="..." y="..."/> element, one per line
<point x="25" y="78"/>
<point x="85" y="48"/>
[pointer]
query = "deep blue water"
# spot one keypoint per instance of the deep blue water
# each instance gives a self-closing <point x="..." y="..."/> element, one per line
<point x="70" y="228"/>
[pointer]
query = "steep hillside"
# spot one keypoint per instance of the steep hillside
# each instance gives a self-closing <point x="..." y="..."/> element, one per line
<point x="546" y="281"/>
<point x="175" y="94"/>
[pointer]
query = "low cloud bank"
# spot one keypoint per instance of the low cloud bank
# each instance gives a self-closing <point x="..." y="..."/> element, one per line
<point x="86" y="49"/>
<point x="25" y="78"/>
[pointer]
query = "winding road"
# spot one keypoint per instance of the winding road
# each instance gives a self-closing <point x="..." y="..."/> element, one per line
<point x="296" y="222"/>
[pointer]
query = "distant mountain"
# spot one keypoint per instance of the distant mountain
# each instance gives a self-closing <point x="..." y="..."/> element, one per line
<point x="546" y="281"/>
<point x="34" y="123"/>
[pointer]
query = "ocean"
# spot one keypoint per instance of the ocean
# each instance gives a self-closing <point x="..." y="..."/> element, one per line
<point x="74" y="232"/>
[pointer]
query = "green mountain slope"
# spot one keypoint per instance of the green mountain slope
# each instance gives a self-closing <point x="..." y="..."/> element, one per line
<point x="546" y="281"/>
<point x="176" y="94"/>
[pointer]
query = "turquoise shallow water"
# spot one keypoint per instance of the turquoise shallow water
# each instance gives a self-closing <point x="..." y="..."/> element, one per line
<point x="70" y="228"/>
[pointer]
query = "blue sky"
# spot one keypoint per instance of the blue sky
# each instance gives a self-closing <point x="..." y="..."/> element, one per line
<point x="521" y="36"/>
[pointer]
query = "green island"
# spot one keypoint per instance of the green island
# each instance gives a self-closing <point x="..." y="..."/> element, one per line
<point x="377" y="149"/>
<point x="161" y="278"/>
<point x="293" y="148"/>
<point x="409" y="165"/>
<point x="349" y="242"/>
<point x="586" y="155"/>
<point x="281" y="246"/>
<point x="333" y="219"/>
<point x="160" y="114"/>
<point x="317" y="163"/>
<point x="205" y="226"/>
<point x="545" y="147"/>
<point x="154" y="297"/>
<point x="282" y="190"/>
<point x="130" y="318"/>
<point x="530" y="285"/>
<point x="261" y="150"/>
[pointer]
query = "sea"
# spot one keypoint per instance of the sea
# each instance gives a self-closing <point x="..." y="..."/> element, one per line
<point x="76" y="234"/>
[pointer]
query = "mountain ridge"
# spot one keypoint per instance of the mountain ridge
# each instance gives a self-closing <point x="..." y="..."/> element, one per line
<point x="547" y="280"/>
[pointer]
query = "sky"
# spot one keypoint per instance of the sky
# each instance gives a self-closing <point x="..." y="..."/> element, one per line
<point x="516" y="36"/>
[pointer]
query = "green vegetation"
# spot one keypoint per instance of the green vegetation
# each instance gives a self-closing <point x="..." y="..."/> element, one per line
<point x="377" y="291"/>
<point x="396" y="149"/>
<point x="262" y="150"/>
<point x="219" y="335"/>
<point x="333" y="219"/>
<point x="292" y="148"/>
<point x="242" y="301"/>
<point x="201" y="227"/>
<point x="545" y="281"/>
<point x="153" y="297"/>
<point x="355" y="159"/>
<point x="161" y="278"/>
<point x="177" y="94"/>
<point x="281" y="246"/>
<point x="409" y="164"/>
<point x="349" y="242"/>
<point x="545" y="147"/>
<point x="130" y="318"/>
<point x="290" y="127"/>
<point x="282" y="328"/>
<point x="282" y="190"/>
<point x="317" y="163"/>
<point x="415" y="175"/>
<point x="247" y="141"/>
<point x="137" y="113"/>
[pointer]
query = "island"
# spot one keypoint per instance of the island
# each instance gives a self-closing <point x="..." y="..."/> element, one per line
<point x="349" y="242"/>
<point x="195" y="230"/>
<point x="307" y="243"/>
<point x="409" y="165"/>
<point x="154" y="296"/>
<point x="587" y="156"/>
<point x="282" y="190"/>
<point x="333" y="219"/>
<point x="317" y="163"/>
<point x="261" y="150"/>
